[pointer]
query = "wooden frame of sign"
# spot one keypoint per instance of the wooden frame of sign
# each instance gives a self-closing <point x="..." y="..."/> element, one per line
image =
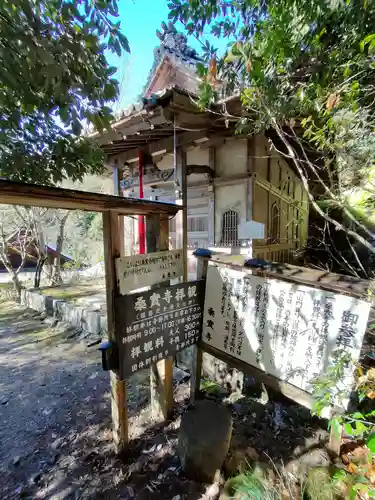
<point x="329" y="282"/>
<point x="113" y="209"/>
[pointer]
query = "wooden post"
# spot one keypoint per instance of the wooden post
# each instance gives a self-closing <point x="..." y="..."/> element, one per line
<point x="117" y="176"/>
<point x="181" y="199"/>
<point x="113" y="246"/>
<point x="211" y="201"/>
<point x="334" y="443"/>
<point x="196" y="371"/>
<point x="161" y="374"/>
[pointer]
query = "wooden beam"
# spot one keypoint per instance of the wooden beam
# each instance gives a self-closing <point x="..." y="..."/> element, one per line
<point x="161" y="373"/>
<point x="290" y="391"/>
<point x="323" y="280"/>
<point x="113" y="244"/>
<point x="141" y="120"/>
<point x="182" y="139"/>
<point x="17" y="193"/>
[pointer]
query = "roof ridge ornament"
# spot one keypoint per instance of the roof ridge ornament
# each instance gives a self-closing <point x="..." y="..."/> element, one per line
<point x="174" y="41"/>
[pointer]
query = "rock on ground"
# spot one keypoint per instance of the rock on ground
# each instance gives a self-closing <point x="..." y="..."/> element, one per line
<point x="300" y="466"/>
<point x="204" y="439"/>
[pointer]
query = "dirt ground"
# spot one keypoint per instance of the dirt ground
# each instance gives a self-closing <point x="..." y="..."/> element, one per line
<point x="55" y="437"/>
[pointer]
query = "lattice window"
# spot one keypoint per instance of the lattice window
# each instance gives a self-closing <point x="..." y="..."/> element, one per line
<point x="275" y="224"/>
<point x="197" y="224"/>
<point x="229" y="229"/>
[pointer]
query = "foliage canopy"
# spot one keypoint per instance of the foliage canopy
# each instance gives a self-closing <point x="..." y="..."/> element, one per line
<point x="55" y="77"/>
<point x="306" y="70"/>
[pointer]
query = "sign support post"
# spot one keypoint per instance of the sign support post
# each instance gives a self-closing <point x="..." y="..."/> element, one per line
<point x="113" y="237"/>
<point x="196" y="371"/>
<point x="161" y="373"/>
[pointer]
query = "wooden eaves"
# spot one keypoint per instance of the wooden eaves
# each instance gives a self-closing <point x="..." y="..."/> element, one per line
<point x="17" y="193"/>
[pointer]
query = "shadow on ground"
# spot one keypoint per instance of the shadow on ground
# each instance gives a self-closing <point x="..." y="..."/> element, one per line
<point x="55" y="428"/>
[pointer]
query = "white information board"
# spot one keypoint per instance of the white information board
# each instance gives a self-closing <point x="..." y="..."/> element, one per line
<point x="138" y="271"/>
<point x="284" y="329"/>
<point x="251" y="230"/>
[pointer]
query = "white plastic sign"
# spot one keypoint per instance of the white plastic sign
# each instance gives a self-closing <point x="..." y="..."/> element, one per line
<point x="138" y="271"/>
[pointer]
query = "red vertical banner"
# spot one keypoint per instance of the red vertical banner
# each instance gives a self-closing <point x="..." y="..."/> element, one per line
<point x="141" y="219"/>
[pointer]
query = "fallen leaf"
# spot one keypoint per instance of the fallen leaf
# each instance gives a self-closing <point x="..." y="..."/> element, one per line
<point x="332" y="101"/>
<point x="352" y="468"/>
<point x="370" y="474"/>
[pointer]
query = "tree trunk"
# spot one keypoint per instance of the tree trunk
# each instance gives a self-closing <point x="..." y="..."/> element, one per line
<point x="13" y="273"/>
<point x="56" y="273"/>
<point x="38" y="270"/>
<point x="16" y="283"/>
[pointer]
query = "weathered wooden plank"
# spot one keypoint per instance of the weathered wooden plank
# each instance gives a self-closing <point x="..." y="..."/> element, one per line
<point x="161" y="373"/>
<point x="288" y="390"/>
<point x="268" y="186"/>
<point x="113" y="246"/>
<point x="16" y="193"/>
<point x="323" y="280"/>
<point x="334" y="443"/>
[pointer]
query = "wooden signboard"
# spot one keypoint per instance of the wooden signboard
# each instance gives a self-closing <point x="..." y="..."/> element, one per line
<point x="138" y="271"/>
<point x="157" y="323"/>
<point x="284" y="329"/>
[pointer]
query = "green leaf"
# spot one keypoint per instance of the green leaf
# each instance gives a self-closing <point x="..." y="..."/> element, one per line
<point x="358" y="415"/>
<point x="76" y="127"/>
<point x="339" y="475"/>
<point x="64" y="114"/>
<point x="111" y="70"/>
<point x="348" y="429"/>
<point x="110" y="91"/>
<point x="370" y="443"/>
<point x="367" y="40"/>
<point x="360" y="427"/>
<point x="123" y="41"/>
<point x="335" y="423"/>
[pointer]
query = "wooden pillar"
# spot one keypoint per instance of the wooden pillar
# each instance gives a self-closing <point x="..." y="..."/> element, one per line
<point x="113" y="247"/>
<point x="161" y="374"/>
<point x="250" y="186"/>
<point x="211" y="201"/>
<point x="117" y="176"/>
<point x="196" y="372"/>
<point x="249" y="183"/>
<point x="181" y="199"/>
<point x="334" y="443"/>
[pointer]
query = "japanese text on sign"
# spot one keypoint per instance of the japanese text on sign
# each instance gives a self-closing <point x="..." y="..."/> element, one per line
<point x="157" y="323"/>
<point x="138" y="271"/>
<point x="284" y="329"/>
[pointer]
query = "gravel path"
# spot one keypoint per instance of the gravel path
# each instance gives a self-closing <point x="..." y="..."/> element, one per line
<point x="55" y="427"/>
<point x="54" y="410"/>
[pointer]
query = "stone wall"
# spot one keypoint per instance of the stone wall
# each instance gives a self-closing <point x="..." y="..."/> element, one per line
<point x="93" y="322"/>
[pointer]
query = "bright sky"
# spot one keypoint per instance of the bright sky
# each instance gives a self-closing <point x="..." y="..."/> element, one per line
<point x="139" y="21"/>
